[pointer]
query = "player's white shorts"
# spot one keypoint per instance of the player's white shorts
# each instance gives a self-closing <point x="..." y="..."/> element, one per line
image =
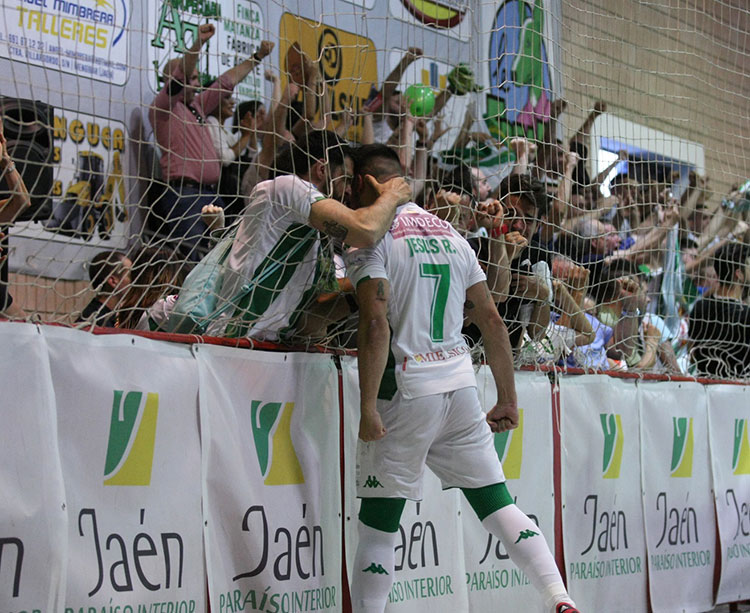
<point x="448" y="432"/>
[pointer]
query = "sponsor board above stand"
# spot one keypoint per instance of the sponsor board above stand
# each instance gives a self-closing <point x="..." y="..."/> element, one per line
<point x="526" y="454"/>
<point x="730" y="460"/>
<point x="173" y="27"/>
<point x="342" y="54"/>
<point x="604" y="541"/>
<point x="130" y="454"/>
<point x="270" y="433"/>
<point x="87" y="38"/>
<point x="678" y="503"/>
<point x="89" y="198"/>
<point x="429" y="573"/>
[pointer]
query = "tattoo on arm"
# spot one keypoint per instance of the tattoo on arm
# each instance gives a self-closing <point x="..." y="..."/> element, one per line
<point x="468" y="305"/>
<point x="380" y="295"/>
<point x="335" y="230"/>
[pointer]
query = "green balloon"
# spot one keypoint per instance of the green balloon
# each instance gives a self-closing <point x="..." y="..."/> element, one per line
<point x="421" y="99"/>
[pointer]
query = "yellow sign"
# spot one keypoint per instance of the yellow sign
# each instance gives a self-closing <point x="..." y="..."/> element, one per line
<point x="348" y="62"/>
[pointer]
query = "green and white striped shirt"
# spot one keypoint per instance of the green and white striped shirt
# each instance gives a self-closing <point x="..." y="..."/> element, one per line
<point x="279" y="258"/>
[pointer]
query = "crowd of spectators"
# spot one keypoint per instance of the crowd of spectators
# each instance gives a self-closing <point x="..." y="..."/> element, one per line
<point x="651" y="278"/>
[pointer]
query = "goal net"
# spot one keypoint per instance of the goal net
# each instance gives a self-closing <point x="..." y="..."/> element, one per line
<point x="593" y="154"/>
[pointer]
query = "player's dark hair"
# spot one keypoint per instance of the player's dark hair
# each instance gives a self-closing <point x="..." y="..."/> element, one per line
<point x="377" y="160"/>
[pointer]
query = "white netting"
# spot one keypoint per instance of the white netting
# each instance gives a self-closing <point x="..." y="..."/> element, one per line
<point x="631" y="116"/>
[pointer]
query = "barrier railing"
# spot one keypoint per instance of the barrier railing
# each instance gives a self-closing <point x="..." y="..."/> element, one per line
<point x="133" y="469"/>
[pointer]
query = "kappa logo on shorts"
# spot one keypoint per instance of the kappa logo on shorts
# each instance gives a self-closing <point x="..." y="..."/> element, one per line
<point x="525" y="534"/>
<point x="613" y="444"/>
<point x="741" y="449"/>
<point x="375" y="569"/>
<point x="509" y="448"/>
<point x="372" y="481"/>
<point x="682" y="447"/>
<point x="132" y="433"/>
<point x="272" y="433"/>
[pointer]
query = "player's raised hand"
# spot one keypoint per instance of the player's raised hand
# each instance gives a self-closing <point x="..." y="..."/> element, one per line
<point x="413" y="53"/>
<point x="397" y="186"/>
<point x="503" y="417"/>
<point x="371" y="427"/>
<point x="265" y="48"/>
<point x="205" y="32"/>
<point x="213" y="217"/>
<point x="490" y="215"/>
<point x="515" y="243"/>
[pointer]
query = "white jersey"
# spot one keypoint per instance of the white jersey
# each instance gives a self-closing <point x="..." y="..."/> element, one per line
<point x="429" y="267"/>
<point x="280" y="259"/>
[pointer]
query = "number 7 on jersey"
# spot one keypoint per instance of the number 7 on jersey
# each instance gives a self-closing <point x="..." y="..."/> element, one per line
<point x="441" y="273"/>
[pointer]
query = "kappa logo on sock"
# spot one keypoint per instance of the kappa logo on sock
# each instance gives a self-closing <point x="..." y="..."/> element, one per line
<point x="375" y="569"/>
<point x="682" y="447"/>
<point x="525" y="534"/>
<point x="372" y="481"/>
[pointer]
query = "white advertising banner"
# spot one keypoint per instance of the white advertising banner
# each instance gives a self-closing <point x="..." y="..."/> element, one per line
<point x="350" y="416"/>
<point x="173" y="26"/>
<point x="604" y="540"/>
<point x="728" y="417"/>
<point x="33" y="517"/>
<point x="526" y="454"/>
<point x="430" y="573"/>
<point x="130" y="451"/>
<point x="87" y="38"/>
<point x="272" y="498"/>
<point x="678" y="507"/>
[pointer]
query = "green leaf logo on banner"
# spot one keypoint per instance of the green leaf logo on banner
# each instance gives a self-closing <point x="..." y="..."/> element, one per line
<point x="741" y="452"/>
<point x="272" y="434"/>
<point x="132" y="433"/>
<point x="509" y="447"/>
<point x="682" y="447"/>
<point x="613" y="444"/>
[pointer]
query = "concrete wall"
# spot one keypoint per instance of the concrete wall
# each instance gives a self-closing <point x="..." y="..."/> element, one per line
<point x="680" y="67"/>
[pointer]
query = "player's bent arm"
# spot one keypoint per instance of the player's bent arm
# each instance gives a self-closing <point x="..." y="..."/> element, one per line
<point x="361" y="228"/>
<point x="498" y="270"/>
<point x="480" y="309"/>
<point x="373" y="338"/>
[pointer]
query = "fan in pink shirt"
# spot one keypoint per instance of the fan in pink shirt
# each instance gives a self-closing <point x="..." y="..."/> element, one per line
<point x="189" y="162"/>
